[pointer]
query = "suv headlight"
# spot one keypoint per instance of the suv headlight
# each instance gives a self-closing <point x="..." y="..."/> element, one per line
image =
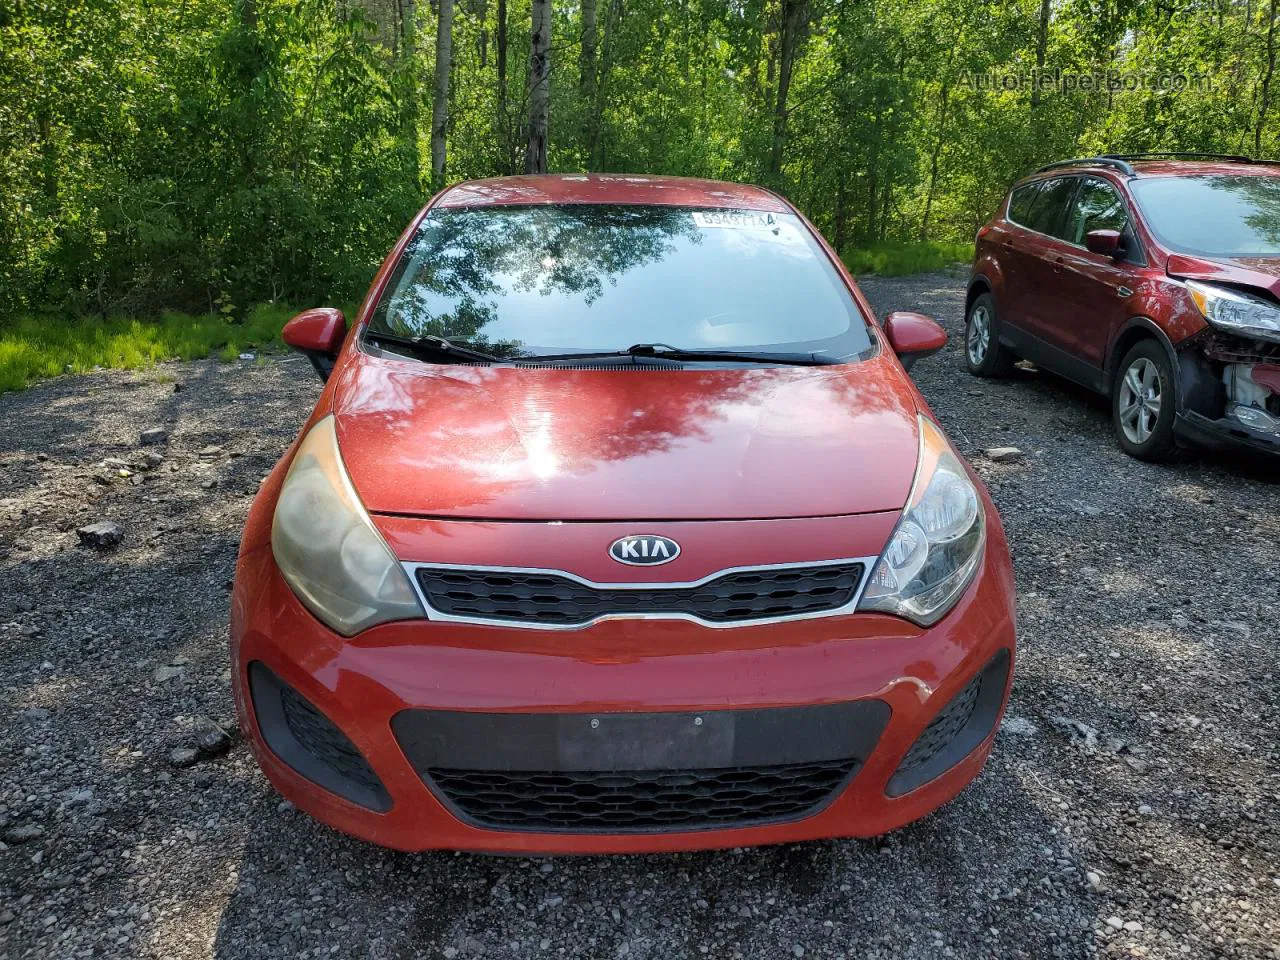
<point x="1235" y="311"/>
<point x="327" y="548"/>
<point x="937" y="546"/>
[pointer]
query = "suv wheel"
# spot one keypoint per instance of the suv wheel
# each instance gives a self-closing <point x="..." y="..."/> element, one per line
<point x="984" y="354"/>
<point x="1143" y="402"/>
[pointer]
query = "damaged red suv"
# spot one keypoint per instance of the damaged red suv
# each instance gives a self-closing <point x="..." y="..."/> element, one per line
<point x="1152" y="278"/>
<point x="619" y="526"/>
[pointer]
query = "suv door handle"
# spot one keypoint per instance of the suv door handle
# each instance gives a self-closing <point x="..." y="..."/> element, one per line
<point x="1057" y="264"/>
<point x="1008" y="242"/>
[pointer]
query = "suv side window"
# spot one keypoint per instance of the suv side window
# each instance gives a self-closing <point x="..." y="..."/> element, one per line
<point x="1048" y="212"/>
<point x="1021" y="200"/>
<point x="1097" y="207"/>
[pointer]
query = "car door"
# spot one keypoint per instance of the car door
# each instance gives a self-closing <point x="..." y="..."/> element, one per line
<point x="1096" y="287"/>
<point x="1042" y="270"/>
<point x="1010" y="240"/>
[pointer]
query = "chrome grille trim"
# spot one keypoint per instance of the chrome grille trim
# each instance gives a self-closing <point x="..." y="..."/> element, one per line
<point x="411" y="569"/>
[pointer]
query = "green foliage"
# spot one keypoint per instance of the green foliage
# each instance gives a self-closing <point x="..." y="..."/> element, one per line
<point x="36" y="346"/>
<point x="899" y="259"/>
<point x="207" y="155"/>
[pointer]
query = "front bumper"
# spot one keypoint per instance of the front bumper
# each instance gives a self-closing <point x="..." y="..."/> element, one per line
<point x="1224" y="434"/>
<point x="471" y="689"/>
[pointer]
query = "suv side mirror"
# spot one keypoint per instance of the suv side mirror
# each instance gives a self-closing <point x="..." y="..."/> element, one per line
<point x="1105" y="242"/>
<point x="318" y="335"/>
<point x="913" y="336"/>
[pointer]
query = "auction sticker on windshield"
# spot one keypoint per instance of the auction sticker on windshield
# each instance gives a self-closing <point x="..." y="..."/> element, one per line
<point x="737" y="219"/>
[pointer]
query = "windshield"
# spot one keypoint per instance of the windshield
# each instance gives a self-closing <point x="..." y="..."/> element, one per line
<point x="1218" y="215"/>
<point x="546" y="280"/>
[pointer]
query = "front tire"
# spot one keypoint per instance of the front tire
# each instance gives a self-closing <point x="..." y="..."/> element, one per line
<point x="1143" y="403"/>
<point x="984" y="354"/>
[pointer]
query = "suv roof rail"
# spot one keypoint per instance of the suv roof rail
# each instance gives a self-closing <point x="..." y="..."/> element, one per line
<point x="1101" y="161"/>
<point x="1229" y="157"/>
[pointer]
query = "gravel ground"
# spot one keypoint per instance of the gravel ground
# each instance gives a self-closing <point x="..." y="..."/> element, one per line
<point x="1130" y="808"/>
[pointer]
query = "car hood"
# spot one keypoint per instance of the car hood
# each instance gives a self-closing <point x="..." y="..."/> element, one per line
<point x="626" y="444"/>
<point x="1262" y="273"/>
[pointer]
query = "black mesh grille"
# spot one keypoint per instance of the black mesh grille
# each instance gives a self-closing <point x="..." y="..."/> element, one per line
<point x="631" y="801"/>
<point x="944" y="728"/>
<point x="549" y="598"/>
<point x="317" y="734"/>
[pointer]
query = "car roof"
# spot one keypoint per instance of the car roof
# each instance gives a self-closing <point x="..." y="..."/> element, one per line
<point x="1193" y="168"/>
<point x="620" y="188"/>
<point x="1161" y="167"/>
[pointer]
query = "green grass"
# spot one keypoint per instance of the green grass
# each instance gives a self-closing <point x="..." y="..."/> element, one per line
<point x="900" y="259"/>
<point x="34" y="347"/>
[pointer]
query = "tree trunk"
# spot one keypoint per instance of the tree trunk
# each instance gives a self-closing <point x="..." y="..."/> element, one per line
<point x="1042" y="48"/>
<point x="440" y="104"/>
<point x="502" y="122"/>
<point x="1266" y="79"/>
<point x="793" y="16"/>
<point x="587" y="75"/>
<point x="587" y="54"/>
<point x="409" y="109"/>
<point x="595" y="146"/>
<point x="535" y="158"/>
<point x="939" y="140"/>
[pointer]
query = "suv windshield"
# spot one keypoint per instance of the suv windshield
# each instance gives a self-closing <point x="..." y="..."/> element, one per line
<point x="520" y="282"/>
<point x="1217" y="215"/>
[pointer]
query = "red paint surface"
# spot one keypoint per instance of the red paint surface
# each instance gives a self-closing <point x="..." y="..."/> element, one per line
<point x="548" y="444"/>
<point x="319" y="330"/>
<point x="611" y="188"/>
<point x="914" y="333"/>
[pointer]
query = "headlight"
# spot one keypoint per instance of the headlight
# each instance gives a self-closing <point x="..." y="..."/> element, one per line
<point x="327" y="548"/>
<point x="1236" y="312"/>
<point x="937" y="546"/>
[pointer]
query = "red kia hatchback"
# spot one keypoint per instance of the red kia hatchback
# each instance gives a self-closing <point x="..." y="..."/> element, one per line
<point x="1150" y="278"/>
<point x="619" y="526"/>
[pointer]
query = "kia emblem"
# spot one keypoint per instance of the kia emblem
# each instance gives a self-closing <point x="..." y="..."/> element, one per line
<point x="644" y="550"/>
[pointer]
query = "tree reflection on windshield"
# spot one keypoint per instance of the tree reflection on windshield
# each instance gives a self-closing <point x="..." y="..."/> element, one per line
<point x="536" y="280"/>
<point x="463" y="262"/>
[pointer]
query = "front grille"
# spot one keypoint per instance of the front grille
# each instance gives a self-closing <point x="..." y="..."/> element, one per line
<point x="630" y="801"/>
<point x="555" y="600"/>
<point x="319" y="737"/>
<point x="943" y="728"/>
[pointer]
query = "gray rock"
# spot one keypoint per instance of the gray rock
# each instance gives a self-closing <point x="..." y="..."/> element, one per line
<point x="1003" y="454"/>
<point x="153" y="435"/>
<point x="24" y="833"/>
<point x="102" y="534"/>
<point x="213" y="742"/>
<point x="183" y="756"/>
<point x="166" y="673"/>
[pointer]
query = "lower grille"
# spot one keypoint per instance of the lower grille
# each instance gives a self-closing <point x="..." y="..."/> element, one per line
<point x="626" y="801"/>
<point x="943" y="729"/>
<point x="317" y="734"/>
<point x="637" y="772"/>
<point x="310" y="743"/>
<point x="959" y="727"/>
<point x="552" y="599"/>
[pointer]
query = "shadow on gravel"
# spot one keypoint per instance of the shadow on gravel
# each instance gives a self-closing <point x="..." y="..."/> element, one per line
<point x="986" y="876"/>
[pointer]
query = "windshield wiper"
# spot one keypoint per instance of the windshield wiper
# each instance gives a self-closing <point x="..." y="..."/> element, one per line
<point x="664" y="351"/>
<point x="428" y="347"/>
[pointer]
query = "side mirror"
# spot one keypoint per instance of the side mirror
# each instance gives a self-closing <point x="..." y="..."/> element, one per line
<point x="913" y="336"/>
<point x="1105" y="242"/>
<point x="317" y="334"/>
